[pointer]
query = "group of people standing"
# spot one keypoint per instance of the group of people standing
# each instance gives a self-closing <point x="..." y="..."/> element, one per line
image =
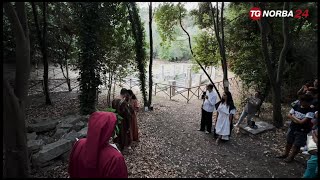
<point x="127" y="106"/>
<point x="96" y="156"/>
<point x="303" y="129"/>
<point x="225" y="113"/>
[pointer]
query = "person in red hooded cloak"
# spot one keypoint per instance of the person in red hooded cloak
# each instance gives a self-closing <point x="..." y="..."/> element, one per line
<point x="94" y="157"/>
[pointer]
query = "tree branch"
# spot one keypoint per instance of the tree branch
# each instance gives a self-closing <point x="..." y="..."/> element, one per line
<point x="285" y="31"/>
<point x="264" y="45"/>
<point x="189" y="38"/>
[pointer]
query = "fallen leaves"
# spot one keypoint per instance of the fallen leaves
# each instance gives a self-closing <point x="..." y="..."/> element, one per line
<point x="171" y="147"/>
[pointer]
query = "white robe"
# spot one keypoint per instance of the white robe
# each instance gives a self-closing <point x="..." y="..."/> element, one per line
<point x="222" y="126"/>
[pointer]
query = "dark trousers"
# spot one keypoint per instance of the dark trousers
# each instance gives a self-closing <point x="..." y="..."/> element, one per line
<point x="206" y="121"/>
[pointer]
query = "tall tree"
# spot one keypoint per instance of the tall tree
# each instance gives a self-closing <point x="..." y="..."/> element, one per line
<point x="90" y="55"/>
<point x="16" y="162"/>
<point x="218" y="25"/>
<point x="167" y="16"/>
<point x="151" y="54"/>
<point x="275" y="75"/>
<point x="190" y="46"/>
<point x="138" y="34"/>
<point x="62" y="37"/>
<point x="43" y="44"/>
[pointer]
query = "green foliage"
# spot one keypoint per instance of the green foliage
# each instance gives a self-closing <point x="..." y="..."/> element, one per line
<point x="167" y="18"/>
<point x="140" y="44"/>
<point x="245" y="54"/>
<point x="62" y="34"/>
<point x="206" y="50"/>
<point x="118" y="41"/>
<point x="119" y="119"/>
<point x="201" y="16"/>
<point x="90" y="54"/>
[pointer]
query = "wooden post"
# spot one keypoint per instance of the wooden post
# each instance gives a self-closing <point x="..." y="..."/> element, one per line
<point x="199" y="90"/>
<point x="170" y="92"/>
<point x="155" y="89"/>
<point x="130" y="83"/>
<point x="188" y="95"/>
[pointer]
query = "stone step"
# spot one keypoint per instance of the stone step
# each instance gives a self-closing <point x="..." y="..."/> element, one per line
<point x="83" y="132"/>
<point x="42" y="126"/>
<point x="73" y="119"/>
<point x="78" y="126"/>
<point x="32" y="136"/>
<point x="60" y="132"/>
<point x="65" y="126"/>
<point x="35" y="145"/>
<point x="71" y="136"/>
<point x="51" y="151"/>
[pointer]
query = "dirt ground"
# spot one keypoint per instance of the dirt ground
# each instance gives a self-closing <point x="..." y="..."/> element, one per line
<point x="170" y="145"/>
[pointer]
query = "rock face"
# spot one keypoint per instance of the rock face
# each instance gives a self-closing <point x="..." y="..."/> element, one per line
<point x="46" y="144"/>
<point x="32" y="136"/>
<point x="71" y="136"/>
<point x="66" y="126"/>
<point x="51" y="151"/>
<point x="42" y="126"/>
<point x="83" y="132"/>
<point x="59" y="133"/>
<point x="46" y="139"/>
<point x="35" y="145"/>
<point x="78" y="126"/>
<point x="73" y="119"/>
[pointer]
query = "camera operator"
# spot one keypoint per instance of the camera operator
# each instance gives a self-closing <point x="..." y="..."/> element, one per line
<point x="208" y="107"/>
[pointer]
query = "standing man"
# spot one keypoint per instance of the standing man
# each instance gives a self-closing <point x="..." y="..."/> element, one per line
<point x="210" y="98"/>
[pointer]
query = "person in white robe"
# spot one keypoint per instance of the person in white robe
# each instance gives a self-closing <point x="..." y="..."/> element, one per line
<point x="225" y="113"/>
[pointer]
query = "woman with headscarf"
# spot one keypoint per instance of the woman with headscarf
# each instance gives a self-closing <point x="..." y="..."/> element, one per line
<point x="134" y="104"/>
<point x="122" y="107"/>
<point x="225" y="114"/>
<point x="94" y="157"/>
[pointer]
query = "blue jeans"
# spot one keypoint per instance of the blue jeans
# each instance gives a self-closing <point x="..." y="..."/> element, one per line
<point x="243" y="115"/>
<point x="312" y="167"/>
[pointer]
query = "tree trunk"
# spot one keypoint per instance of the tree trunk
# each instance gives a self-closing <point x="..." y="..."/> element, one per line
<point x="275" y="79"/>
<point x="220" y="41"/>
<point x="68" y="79"/>
<point x="43" y="45"/>
<point x="45" y="56"/>
<point x="284" y="51"/>
<point x="137" y="31"/>
<point x="276" y="106"/>
<point x="16" y="163"/>
<point x="110" y="88"/>
<point x="151" y="55"/>
<point x="114" y="88"/>
<point x="223" y="53"/>
<point x="203" y="69"/>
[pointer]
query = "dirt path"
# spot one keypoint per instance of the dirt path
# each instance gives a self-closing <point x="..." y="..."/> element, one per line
<point x="171" y="146"/>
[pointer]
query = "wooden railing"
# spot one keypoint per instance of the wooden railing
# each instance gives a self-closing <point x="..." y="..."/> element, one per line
<point x="192" y="91"/>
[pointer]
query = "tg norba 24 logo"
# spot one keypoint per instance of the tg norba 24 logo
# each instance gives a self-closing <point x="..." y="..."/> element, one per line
<point x="256" y="13"/>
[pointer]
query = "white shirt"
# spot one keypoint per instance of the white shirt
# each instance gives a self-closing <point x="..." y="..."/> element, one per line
<point x="209" y="103"/>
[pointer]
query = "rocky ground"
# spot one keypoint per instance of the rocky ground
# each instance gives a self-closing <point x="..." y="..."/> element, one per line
<point x="170" y="145"/>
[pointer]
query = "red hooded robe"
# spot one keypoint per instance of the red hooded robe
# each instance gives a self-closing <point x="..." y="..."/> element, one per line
<point x="94" y="157"/>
